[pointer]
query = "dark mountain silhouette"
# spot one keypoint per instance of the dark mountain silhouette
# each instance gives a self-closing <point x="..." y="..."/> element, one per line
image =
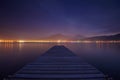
<point x="78" y="37"/>
<point x="58" y="37"/>
<point x="64" y="37"/>
<point x="110" y="37"/>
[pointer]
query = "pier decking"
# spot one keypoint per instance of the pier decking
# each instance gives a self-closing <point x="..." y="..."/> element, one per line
<point x="58" y="63"/>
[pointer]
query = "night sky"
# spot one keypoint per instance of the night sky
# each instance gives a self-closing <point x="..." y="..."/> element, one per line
<point x="40" y="18"/>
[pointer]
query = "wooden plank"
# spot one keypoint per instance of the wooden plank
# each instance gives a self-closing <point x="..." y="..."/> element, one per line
<point x="58" y="66"/>
<point x="56" y="79"/>
<point x="58" y="63"/>
<point x="81" y="76"/>
<point x="59" y="51"/>
<point x="61" y="63"/>
<point x="60" y="72"/>
<point x="56" y="69"/>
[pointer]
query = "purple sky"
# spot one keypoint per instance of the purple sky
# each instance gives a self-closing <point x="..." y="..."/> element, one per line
<point x="39" y="18"/>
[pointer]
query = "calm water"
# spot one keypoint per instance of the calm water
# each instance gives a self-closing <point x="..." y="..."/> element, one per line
<point x="105" y="57"/>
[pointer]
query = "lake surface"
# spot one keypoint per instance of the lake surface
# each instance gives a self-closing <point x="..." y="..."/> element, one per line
<point x="104" y="56"/>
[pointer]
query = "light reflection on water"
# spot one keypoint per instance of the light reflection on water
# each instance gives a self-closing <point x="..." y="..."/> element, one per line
<point x="105" y="57"/>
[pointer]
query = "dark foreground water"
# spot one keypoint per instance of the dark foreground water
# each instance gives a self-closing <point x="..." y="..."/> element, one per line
<point x="104" y="56"/>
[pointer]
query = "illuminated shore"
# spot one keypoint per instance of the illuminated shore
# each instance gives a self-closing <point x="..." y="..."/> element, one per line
<point x="58" y="41"/>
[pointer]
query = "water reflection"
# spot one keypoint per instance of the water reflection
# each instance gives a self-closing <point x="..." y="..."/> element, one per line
<point x="105" y="56"/>
<point x="8" y="45"/>
<point x="21" y="46"/>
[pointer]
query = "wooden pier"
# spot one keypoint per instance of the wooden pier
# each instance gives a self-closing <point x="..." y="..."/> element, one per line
<point x="58" y="63"/>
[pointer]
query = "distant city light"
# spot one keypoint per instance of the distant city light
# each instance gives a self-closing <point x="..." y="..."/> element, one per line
<point x="21" y="41"/>
<point x="58" y="41"/>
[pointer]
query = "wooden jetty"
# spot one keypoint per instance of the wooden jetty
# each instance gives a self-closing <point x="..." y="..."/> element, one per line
<point x="58" y="63"/>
